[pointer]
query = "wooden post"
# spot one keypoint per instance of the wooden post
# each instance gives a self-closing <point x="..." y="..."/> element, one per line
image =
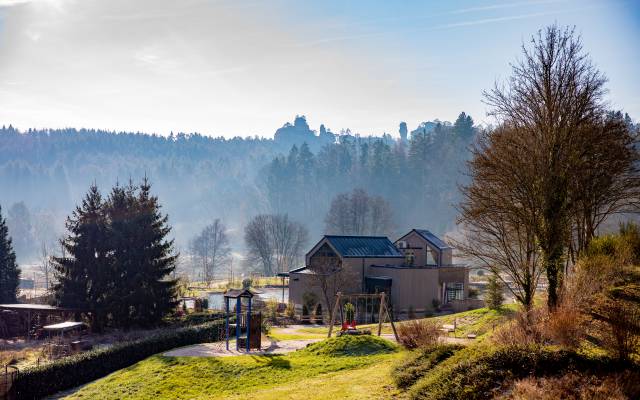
<point x="393" y="327"/>
<point x="333" y="314"/>
<point x="380" y="316"/>
<point x="248" y="324"/>
<point x="238" y="319"/>
<point x="226" y="328"/>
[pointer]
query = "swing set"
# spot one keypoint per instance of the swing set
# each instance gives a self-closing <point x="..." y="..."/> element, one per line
<point x="363" y="307"/>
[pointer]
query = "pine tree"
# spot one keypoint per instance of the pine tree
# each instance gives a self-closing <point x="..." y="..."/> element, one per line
<point x="143" y="257"/>
<point x="83" y="271"/>
<point x="494" y="296"/>
<point x="157" y="296"/>
<point x="120" y="208"/>
<point x="9" y="271"/>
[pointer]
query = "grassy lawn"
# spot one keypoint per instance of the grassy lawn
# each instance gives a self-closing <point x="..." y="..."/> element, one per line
<point x="480" y="321"/>
<point x="321" y="371"/>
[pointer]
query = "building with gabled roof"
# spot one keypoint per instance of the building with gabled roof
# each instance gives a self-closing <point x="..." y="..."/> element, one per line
<point x="416" y="271"/>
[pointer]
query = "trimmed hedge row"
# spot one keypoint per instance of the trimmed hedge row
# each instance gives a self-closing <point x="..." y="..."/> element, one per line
<point x="481" y="376"/>
<point x="73" y="371"/>
<point x="420" y="363"/>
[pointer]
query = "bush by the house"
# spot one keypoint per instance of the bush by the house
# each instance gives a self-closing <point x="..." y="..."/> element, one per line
<point x="418" y="333"/>
<point x="69" y="372"/>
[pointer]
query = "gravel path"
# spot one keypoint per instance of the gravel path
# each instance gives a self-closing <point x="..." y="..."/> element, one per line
<point x="218" y="349"/>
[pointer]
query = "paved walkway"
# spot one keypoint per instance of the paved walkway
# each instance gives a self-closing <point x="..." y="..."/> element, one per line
<point x="218" y="349"/>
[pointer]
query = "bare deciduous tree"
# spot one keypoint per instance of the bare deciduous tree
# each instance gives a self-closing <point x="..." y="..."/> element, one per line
<point x="357" y="213"/>
<point x="329" y="277"/>
<point x="553" y="99"/>
<point x="45" y="264"/>
<point x="211" y="248"/>
<point x="498" y="213"/>
<point x="275" y="242"/>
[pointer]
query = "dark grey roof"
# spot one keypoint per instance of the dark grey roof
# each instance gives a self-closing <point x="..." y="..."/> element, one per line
<point x="235" y="293"/>
<point x="364" y="246"/>
<point x="433" y="239"/>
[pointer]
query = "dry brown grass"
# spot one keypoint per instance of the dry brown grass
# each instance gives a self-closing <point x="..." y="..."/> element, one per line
<point x="574" y="386"/>
<point x="418" y="333"/>
<point x="565" y="326"/>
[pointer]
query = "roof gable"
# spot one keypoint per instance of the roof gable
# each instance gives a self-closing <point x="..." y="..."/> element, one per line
<point x="432" y="239"/>
<point x="363" y="246"/>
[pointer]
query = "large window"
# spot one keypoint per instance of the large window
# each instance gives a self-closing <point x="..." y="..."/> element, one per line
<point x="454" y="291"/>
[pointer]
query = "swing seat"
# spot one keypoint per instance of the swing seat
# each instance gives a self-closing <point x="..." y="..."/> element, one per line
<point x="346" y="325"/>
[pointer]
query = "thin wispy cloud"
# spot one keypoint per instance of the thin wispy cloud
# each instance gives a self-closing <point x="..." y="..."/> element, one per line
<point x="500" y="6"/>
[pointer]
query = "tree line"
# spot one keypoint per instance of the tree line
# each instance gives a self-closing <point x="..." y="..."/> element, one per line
<point x="417" y="174"/>
<point x="298" y="173"/>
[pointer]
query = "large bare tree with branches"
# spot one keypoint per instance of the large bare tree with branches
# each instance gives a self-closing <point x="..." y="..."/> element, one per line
<point x="546" y="166"/>
<point x="211" y="249"/>
<point x="496" y="219"/>
<point x="275" y="242"/>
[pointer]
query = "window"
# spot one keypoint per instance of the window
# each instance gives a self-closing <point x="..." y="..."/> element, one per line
<point x="454" y="291"/>
<point x="409" y="257"/>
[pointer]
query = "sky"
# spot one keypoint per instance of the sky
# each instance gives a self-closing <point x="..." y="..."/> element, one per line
<point x="244" y="68"/>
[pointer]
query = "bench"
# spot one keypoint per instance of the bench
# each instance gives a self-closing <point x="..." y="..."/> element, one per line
<point x="448" y="328"/>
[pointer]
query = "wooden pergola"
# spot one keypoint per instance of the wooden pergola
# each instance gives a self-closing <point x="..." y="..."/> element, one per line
<point x="40" y="313"/>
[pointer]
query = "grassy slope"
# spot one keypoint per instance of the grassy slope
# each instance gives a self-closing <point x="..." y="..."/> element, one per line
<point x="480" y="322"/>
<point x="307" y="374"/>
<point x="299" y="375"/>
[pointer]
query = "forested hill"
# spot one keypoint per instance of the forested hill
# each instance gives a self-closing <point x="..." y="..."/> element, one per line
<point x="44" y="173"/>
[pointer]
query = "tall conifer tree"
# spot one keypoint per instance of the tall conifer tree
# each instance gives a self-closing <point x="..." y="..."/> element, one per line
<point x="9" y="271"/>
<point x="143" y="257"/>
<point x="83" y="270"/>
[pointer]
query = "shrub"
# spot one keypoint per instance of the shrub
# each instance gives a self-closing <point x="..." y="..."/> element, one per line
<point x="247" y="283"/>
<point x="418" y="333"/>
<point x="351" y="345"/>
<point x="73" y="371"/>
<point x="271" y="311"/>
<point x="565" y="326"/>
<point x="619" y="386"/>
<point x="290" y="311"/>
<point x="494" y="296"/>
<point x="481" y="374"/>
<point x="420" y="363"/>
<point x="526" y="328"/>
<point x="201" y="318"/>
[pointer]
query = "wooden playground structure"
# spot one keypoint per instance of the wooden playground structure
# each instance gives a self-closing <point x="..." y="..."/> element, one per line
<point x="247" y="326"/>
<point x="365" y="310"/>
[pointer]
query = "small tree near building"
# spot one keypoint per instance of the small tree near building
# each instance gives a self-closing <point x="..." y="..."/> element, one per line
<point x="494" y="296"/>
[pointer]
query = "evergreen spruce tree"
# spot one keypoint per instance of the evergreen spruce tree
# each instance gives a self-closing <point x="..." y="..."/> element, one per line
<point x="143" y="258"/>
<point x="9" y="271"/>
<point x="83" y="270"/>
<point x="494" y="296"/>
<point x="158" y="259"/>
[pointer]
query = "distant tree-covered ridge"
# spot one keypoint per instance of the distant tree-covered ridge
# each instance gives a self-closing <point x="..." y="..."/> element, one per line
<point x="201" y="178"/>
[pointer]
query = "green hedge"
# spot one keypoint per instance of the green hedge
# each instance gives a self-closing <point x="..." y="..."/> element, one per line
<point x="73" y="371"/>
<point x="420" y="362"/>
<point x="481" y="375"/>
